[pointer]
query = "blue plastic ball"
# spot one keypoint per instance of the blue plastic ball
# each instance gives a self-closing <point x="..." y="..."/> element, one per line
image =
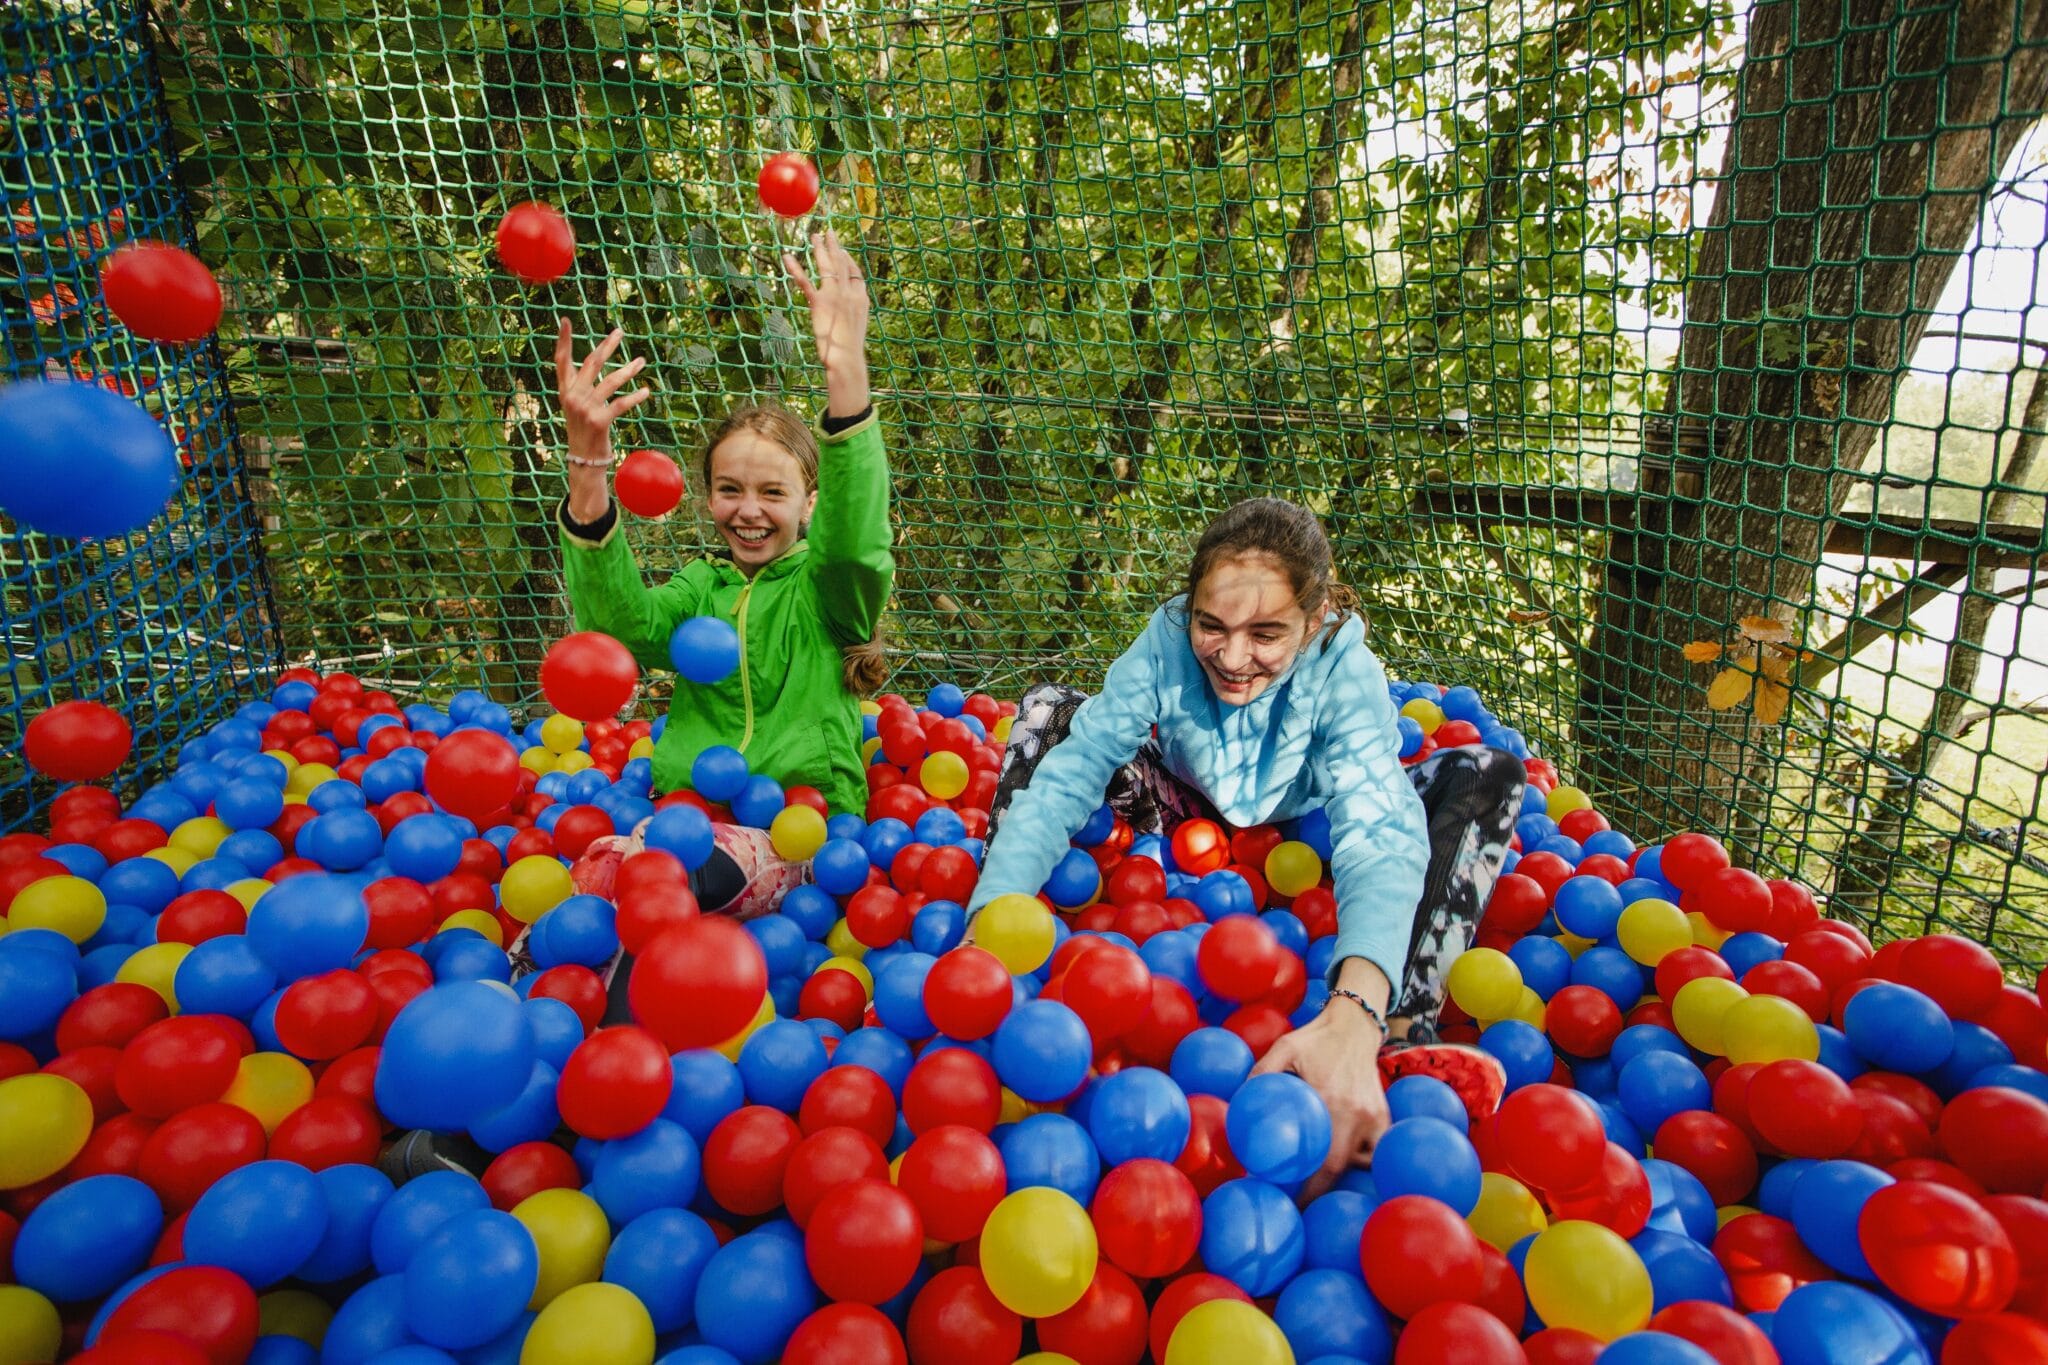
<point x="1222" y="893"/>
<point x="1657" y="1084"/>
<point x="899" y="995"/>
<point x="532" y="1117"/>
<point x="308" y="925"/>
<point x="1211" y="1061"/>
<point x="1654" y="1348"/>
<point x="883" y="840"/>
<point x="1332" y="1227"/>
<point x="659" y="1257"/>
<point x="1774" y="1191"/>
<point x="250" y="804"/>
<point x="1546" y="964"/>
<point x="880" y="1051"/>
<point x="840" y="867"/>
<point x="938" y="927"/>
<point x="1327" y="1313"/>
<point x="1042" y="1050"/>
<point x="262" y="1221"/>
<point x="1976" y="1048"/>
<point x="35" y="989"/>
<point x="1075" y="880"/>
<point x="87" y="1238"/>
<point x="1588" y="906"/>
<point x="1252" y="1235"/>
<point x="1828" y="1322"/>
<point x="369" y="1322"/>
<point x="582" y="929"/>
<point x="1826" y="1203"/>
<point x="1427" y="1156"/>
<point x="471" y="1279"/>
<point x="779" y="1062"/>
<point x="454" y="1053"/>
<point x="354" y="1195"/>
<point x="1743" y="951"/>
<point x="707" y="1087"/>
<point x="753" y="1293"/>
<point x="655" y="1168"/>
<point x="1050" y="1150"/>
<point x="81" y="461"/>
<point x="705" y="650"/>
<point x="1279" y="1128"/>
<point x="682" y="831"/>
<point x="1896" y="1028"/>
<point x="1679" y="1202"/>
<point x="1681" y="1269"/>
<point x="1138" y="1113"/>
<point x="758" y="802"/>
<point x="1413" y="1097"/>
<point x="1521" y="1049"/>
<point x="719" y="773"/>
<point x="939" y="827"/>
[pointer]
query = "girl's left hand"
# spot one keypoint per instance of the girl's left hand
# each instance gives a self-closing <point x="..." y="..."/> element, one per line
<point x="1337" y="1053"/>
<point x="838" y="301"/>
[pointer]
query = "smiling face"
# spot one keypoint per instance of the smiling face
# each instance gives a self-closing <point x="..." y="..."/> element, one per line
<point x="758" y="499"/>
<point x="1245" y="626"/>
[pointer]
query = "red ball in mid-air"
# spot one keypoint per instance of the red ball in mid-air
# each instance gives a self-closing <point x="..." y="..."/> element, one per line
<point x="649" y="483"/>
<point x="536" y="242"/>
<point x="788" y="185"/>
<point x="589" y="675"/>
<point x="161" y="292"/>
<point x="77" y="741"/>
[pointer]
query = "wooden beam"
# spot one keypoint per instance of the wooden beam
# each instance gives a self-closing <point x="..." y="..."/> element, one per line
<point x="1929" y="540"/>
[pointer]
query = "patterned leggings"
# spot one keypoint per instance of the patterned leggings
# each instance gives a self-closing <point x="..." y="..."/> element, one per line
<point x="1471" y="797"/>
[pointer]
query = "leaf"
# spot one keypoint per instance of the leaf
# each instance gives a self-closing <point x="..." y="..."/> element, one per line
<point x="1701" y="651"/>
<point x="1772" y="697"/>
<point x="1518" y="617"/>
<point x="1764" y="630"/>
<point x="1729" y="687"/>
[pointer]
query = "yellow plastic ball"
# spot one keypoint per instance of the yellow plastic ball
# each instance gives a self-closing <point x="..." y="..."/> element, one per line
<point x="1001" y="733"/>
<point x="870" y="707"/>
<point x="570" y="1231"/>
<point x="202" y="834"/>
<point x="307" y="776"/>
<point x="1227" y="1332"/>
<point x="72" y="906"/>
<point x="1584" y="1276"/>
<point x="1015" y="1109"/>
<point x="1506" y="1212"/>
<point x="1699" y="1011"/>
<point x="1728" y="1213"/>
<point x="30" y="1330"/>
<point x="943" y="775"/>
<point x="591" y="1324"/>
<point x="249" y="890"/>
<point x="1038" y="1252"/>
<point x="1484" y="982"/>
<point x="482" y="921"/>
<point x="1705" y="932"/>
<point x="1427" y="714"/>
<point x="533" y="886"/>
<point x="797" y="832"/>
<point x="1018" y="929"/>
<point x="1573" y="944"/>
<point x="44" y="1122"/>
<point x="575" y="761"/>
<point x="730" y="1048"/>
<point x="1047" y="1358"/>
<point x="536" y="759"/>
<point x="270" y="1085"/>
<point x="854" y="965"/>
<point x="178" y="860"/>
<point x="841" y="941"/>
<point x="1652" y="929"/>
<point x="559" y="734"/>
<point x="1768" y="1028"/>
<point x="1562" y="801"/>
<point x="157" y="968"/>
<point x="642" y="747"/>
<point x="293" y="1313"/>
<point x="284" y="756"/>
<point x="1293" y="867"/>
<point x="869" y="748"/>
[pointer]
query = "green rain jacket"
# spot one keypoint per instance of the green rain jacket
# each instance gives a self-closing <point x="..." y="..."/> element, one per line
<point x="787" y="708"/>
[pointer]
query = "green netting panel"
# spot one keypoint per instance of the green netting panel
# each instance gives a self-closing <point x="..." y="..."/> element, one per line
<point x="1592" y="329"/>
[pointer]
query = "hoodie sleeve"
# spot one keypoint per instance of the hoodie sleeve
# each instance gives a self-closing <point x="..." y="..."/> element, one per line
<point x="608" y="594"/>
<point x="1107" y="731"/>
<point x="850" y="561"/>
<point x="1378" y="837"/>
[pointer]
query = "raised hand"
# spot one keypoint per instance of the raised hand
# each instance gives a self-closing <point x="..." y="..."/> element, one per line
<point x="838" y="301"/>
<point x="591" y="402"/>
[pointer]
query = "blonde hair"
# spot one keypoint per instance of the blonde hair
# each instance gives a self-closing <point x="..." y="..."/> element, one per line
<point x="864" y="667"/>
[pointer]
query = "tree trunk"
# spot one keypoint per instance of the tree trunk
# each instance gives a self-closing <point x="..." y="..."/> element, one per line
<point x="1865" y="141"/>
<point x="1860" y="881"/>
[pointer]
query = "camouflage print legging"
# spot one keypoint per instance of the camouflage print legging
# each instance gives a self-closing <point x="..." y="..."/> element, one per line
<point x="1471" y="797"/>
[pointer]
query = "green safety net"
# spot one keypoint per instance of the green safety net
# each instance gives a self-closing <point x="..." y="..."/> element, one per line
<point x="1662" y="370"/>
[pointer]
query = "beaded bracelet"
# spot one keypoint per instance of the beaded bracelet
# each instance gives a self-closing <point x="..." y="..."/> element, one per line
<point x="1362" y="1003"/>
<point x="591" y="464"/>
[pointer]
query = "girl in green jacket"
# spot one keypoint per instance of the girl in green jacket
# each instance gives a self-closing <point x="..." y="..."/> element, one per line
<point x="806" y="564"/>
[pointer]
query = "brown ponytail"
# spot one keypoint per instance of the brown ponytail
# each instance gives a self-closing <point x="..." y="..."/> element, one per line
<point x="864" y="667"/>
<point x="1287" y="533"/>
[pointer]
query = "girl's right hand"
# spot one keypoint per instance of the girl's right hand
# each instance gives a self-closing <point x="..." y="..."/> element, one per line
<point x="590" y="403"/>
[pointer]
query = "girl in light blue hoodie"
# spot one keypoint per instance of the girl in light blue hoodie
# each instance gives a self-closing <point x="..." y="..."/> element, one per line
<point x="1252" y="698"/>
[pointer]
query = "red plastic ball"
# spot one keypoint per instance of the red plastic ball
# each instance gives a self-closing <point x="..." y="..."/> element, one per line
<point x="326" y="1132"/>
<point x="1148" y="1218"/>
<point x="1793" y="910"/>
<point x="214" y="1309"/>
<point x="2025" y="1221"/>
<point x="77" y="741"/>
<point x="1792" y="982"/>
<point x="698" y="983"/>
<point x="520" y="1172"/>
<point x="955" y="1177"/>
<point x="849" y="1096"/>
<point x="1914" y="1094"/>
<point x="877" y="916"/>
<point x="746" y="1156"/>
<point x="1105" y="1327"/>
<point x="957" y="1320"/>
<point x="1723" y="1333"/>
<point x="1134" y="880"/>
<point x="320" y="1017"/>
<point x="1181" y="1297"/>
<point x="1713" y="1149"/>
<point x="177" y="1063"/>
<point x="401" y="912"/>
<point x="1803" y="1109"/>
<point x="115" y="1147"/>
<point x="1835" y="958"/>
<point x="1462" y="1332"/>
<point x="863" y="1242"/>
<point x="1416" y="1252"/>
<point x="825" y="1160"/>
<point x="1997" y="1339"/>
<point x="1683" y="965"/>
<point x="189" y="1151"/>
<point x="1563" y="1346"/>
<point x="967" y="993"/>
<point x="588" y="675"/>
<point x="1200" y="847"/>
<point x="536" y="242"/>
<point x="1547" y="870"/>
<point x="109" y="1015"/>
<point x="1239" y="957"/>
<point x="1111" y="989"/>
<point x="647" y="908"/>
<point x="1551" y="1138"/>
<point x="1732" y="899"/>
<point x="1207" y="1160"/>
<point x="788" y="185"/>
<point x="1173" y="1017"/>
<point x="1891" y="1132"/>
<point x="952" y="1086"/>
<point x="1956" y="973"/>
<point x="615" y="1083"/>
<point x="2000" y="1137"/>
<point x="576" y="986"/>
<point x="1689" y="859"/>
<point x="1500" y="1289"/>
<point x="1765" y="1261"/>
<point x="1518" y="904"/>
<point x="143" y="1348"/>
<point x="473" y="773"/>
<point x="1937" y="1249"/>
<point x="161" y="292"/>
<point x="844" y="1334"/>
<point x="1582" y="1020"/>
<point x="648" y="483"/>
<point x="833" y="995"/>
<point x="91" y="1069"/>
<point x="1618" y="1198"/>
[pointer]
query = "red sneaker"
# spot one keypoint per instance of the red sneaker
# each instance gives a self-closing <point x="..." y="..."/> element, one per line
<point x="1474" y="1073"/>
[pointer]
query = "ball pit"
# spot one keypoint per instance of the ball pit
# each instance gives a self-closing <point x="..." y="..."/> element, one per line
<point x="837" y="1134"/>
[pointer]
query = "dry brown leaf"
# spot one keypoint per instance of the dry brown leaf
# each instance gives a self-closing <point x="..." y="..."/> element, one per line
<point x="1775" y="668"/>
<point x="1772" y="697"/>
<point x="862" y="173"/>
<point x="1764" y="630"/>
<point x="1701" y="651"/>
<point x="1527" y="618"/>
<point x="1729" y="687"/>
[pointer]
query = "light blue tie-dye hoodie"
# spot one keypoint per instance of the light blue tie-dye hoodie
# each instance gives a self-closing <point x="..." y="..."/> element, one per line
<point x="1322" y="735"/>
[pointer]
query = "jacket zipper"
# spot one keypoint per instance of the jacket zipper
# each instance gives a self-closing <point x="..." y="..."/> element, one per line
<point x="746" y="680"/>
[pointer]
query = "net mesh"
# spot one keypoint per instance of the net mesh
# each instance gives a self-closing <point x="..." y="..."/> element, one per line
<point x="1663" y="371"/>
